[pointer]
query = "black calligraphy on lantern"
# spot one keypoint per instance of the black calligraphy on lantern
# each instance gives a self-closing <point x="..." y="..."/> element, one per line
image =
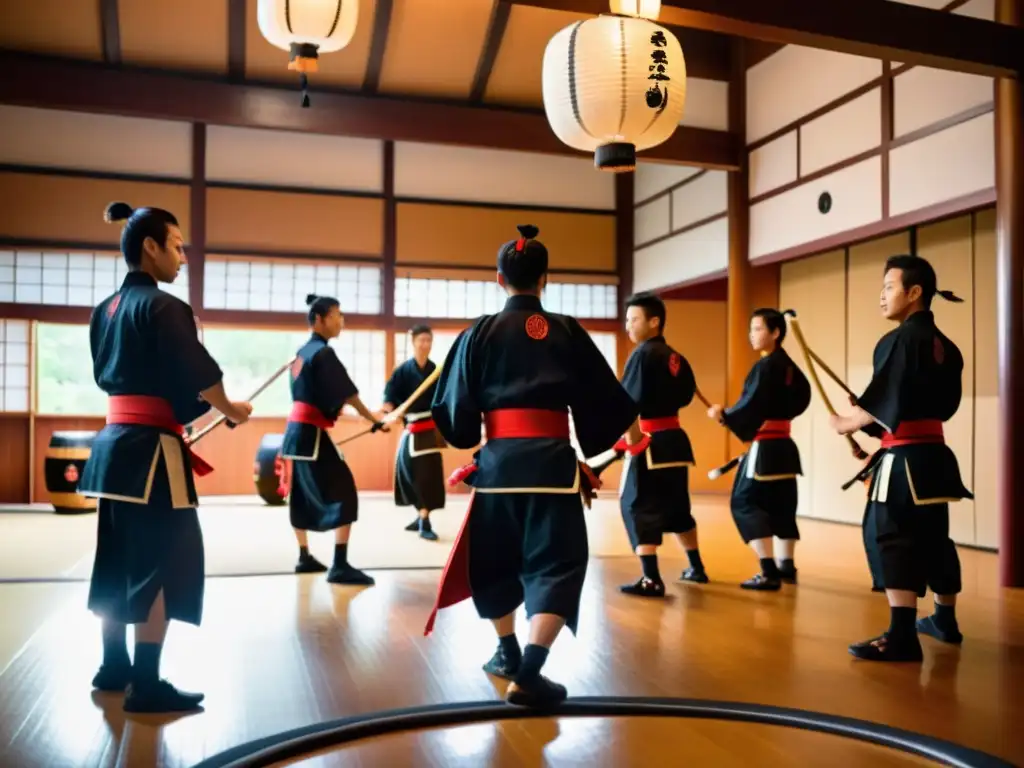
<point x="656" y="96"/>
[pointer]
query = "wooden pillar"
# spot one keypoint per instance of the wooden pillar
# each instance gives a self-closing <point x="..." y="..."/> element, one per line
<point x="739" y="356"/>
<point x="197" y="220"/>
<point x="624" y="212"/>
<point x="1010" y="289"/>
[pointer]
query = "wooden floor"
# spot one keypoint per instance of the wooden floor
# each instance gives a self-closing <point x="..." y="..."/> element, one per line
<point x="278" y="652"/>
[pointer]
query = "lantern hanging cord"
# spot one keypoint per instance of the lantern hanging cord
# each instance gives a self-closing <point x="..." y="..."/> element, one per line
<point x="304" y="82"/>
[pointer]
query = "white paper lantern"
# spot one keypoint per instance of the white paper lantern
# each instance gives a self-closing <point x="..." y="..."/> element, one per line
<point x="307" y="28"/>
<point x="644" y="9"/>
<point x="614" y="85"/>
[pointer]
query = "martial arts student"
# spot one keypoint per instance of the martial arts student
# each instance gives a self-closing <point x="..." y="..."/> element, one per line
<point x="148" y="359"/>
<point x="419" y="469"/>
<point x="764" y="492"/>
<point x="323" y="492"/>
<point x="915" y="387"/>
<point x="655" y="490"/>
<point x="524" y="538"/>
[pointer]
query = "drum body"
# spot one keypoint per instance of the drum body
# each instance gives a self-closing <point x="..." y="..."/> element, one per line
<point x="65" y="460"/>
<point x="270" y="471"/>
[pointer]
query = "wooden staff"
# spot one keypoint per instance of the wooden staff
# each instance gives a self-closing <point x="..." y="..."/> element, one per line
<point x="222" y="418"/>
<point x="396" y="414"/>
<point x="858" y="452"/>
<point x="830" y="373"/>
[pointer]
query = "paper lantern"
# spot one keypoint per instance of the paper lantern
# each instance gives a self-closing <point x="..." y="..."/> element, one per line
<point x="614" y="85"/>
<point x="644" y="9"/>
<point x="307" y="28"/>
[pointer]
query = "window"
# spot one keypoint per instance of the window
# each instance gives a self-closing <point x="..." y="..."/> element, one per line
<point x="443" y="341"/>
<point x="281" y="286"/>
<point x="64" y="371"/>
<point x="79" y="279"/>
<point x="14" y="365"/>
<point x="249" y="357"/>
<point x="608" y="343"/>
<point x="443" y="297"/>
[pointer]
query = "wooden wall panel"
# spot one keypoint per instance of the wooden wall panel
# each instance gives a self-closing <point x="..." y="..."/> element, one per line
<point x="687" y="256"/>
<point x="707" y="104"/>
<point x="816" y="288"/>
<point x="705" y="352"/>
<point x="792" y="218"/>
<point x="923" y="96"/>
<point x="28" y="206"/>
<point x="652" y="220"/>
<point x="439" y="172"/>
<point x="796" y="81"/>
<point x="152" y="34"/>
<point x="774" y="164"/>
<point x="455" y="234"/>
<point x="948" y="246"/>
<point x="943" y="166"/>
<point x="14" y="458"/>
<point x="699" y="200"/>
<point x="105" y="143"/>
<point x="285" y="158"/>
<point x="986" y="381"/>
<point x="292" y="222"/>
<point x="55" y="27"/>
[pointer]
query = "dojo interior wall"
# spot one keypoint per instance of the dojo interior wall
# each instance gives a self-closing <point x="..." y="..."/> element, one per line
<point x="836" y="296"/>
<point x="279" y="197"/>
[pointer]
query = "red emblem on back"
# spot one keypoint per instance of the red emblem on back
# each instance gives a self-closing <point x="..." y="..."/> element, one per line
<point x="296" y="368"/>
<point x="112" y="306"/>
<point x="674" y="363"/>
<point x="537" y="327"/>
<point x="938" y="350"/>
<point x="71" y="473"/>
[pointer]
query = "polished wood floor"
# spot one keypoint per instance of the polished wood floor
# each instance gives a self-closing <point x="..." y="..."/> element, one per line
<point x="278" y="652"/>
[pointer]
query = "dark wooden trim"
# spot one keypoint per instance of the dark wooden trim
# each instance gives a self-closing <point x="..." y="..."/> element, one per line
<point x="263" y="319"/>
<point x="682" y="230"/>
<point x="492" y="44"/>
<point x="110" y="29"/>
<point x="77" y="173"/>
<point x="815" y="175"/>
<point x="888" y="122"/>
<point x="624" y="224"/>
<point x="706" y="290"/>
<point x="718" y="274"/>
<point x="488" y="267"/>
<point x="197" y="219"/>
<point x="245" y="185"/>
<point x="378" y="46"/>
<point x="799" y="134"/>
<point x="213" y="251"/>
<point x="390" y="231"/>
<point x="670" y="190"/>
<point x="944" y="210"/>
<point x="401" y="324"/>
<point x="58" y="246"/>
<point x="46" y="313"/>
<point x="912" y="239"/>
<point x="944" y="124"/>
<point x="236" y="40"/>
<point x="846" y="98"/>
<point x="54" y="83"/>
<point x="505" y="206"/>
<point x="759" y="50"/>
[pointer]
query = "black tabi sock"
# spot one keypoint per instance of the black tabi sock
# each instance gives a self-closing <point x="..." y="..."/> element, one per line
<point x="147" y="662"/>
<point x="115" y="645"/>
<point x="788" y="566"/>
<point x="533" y="659"/>
<point x="510" y="647"/>
<point x="903" y="624"/>
<point x="945" y="616"/>
<point x="340" y="555"/>
<point x="769" y="569"/>
<point x="650" y="566"/>
<point x="425" y="524"/>
<point x="695" y="561"/>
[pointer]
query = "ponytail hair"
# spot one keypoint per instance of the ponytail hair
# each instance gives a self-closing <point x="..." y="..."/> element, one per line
<point x="140" y="225"/>
<point x="319" y="306"/>
<point x="950" y="296"/>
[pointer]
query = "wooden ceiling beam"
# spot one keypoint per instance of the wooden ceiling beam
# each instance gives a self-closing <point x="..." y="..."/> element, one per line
<point x="378" y="46"/>
<point x="878" y="29"/>
<point x="110" y="27"/>
<point x="492" y="43"/>
<point x="54" y="83"/>
<point x="236" y="40"/>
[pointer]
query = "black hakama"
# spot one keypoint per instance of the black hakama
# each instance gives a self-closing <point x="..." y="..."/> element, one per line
<point x="654" y="501"/>
<point x="323" y="493"/>
<point x="419" y="471"/>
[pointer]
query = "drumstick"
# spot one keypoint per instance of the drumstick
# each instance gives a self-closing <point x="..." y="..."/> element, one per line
<point x="222" y="418"/>
<point x="396" y="414"/>
<point x="858" y="452"/>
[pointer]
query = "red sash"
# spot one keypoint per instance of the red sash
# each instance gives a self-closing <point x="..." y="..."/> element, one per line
<point x="661" y="424"/>
<point x="915" y="433"/>
<point x="423" y="425"/>
<point x="304" y="413"/>
<point x="148" y="411"/>
<point x="504" y="423"/>
<point x="773" y="429"/>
